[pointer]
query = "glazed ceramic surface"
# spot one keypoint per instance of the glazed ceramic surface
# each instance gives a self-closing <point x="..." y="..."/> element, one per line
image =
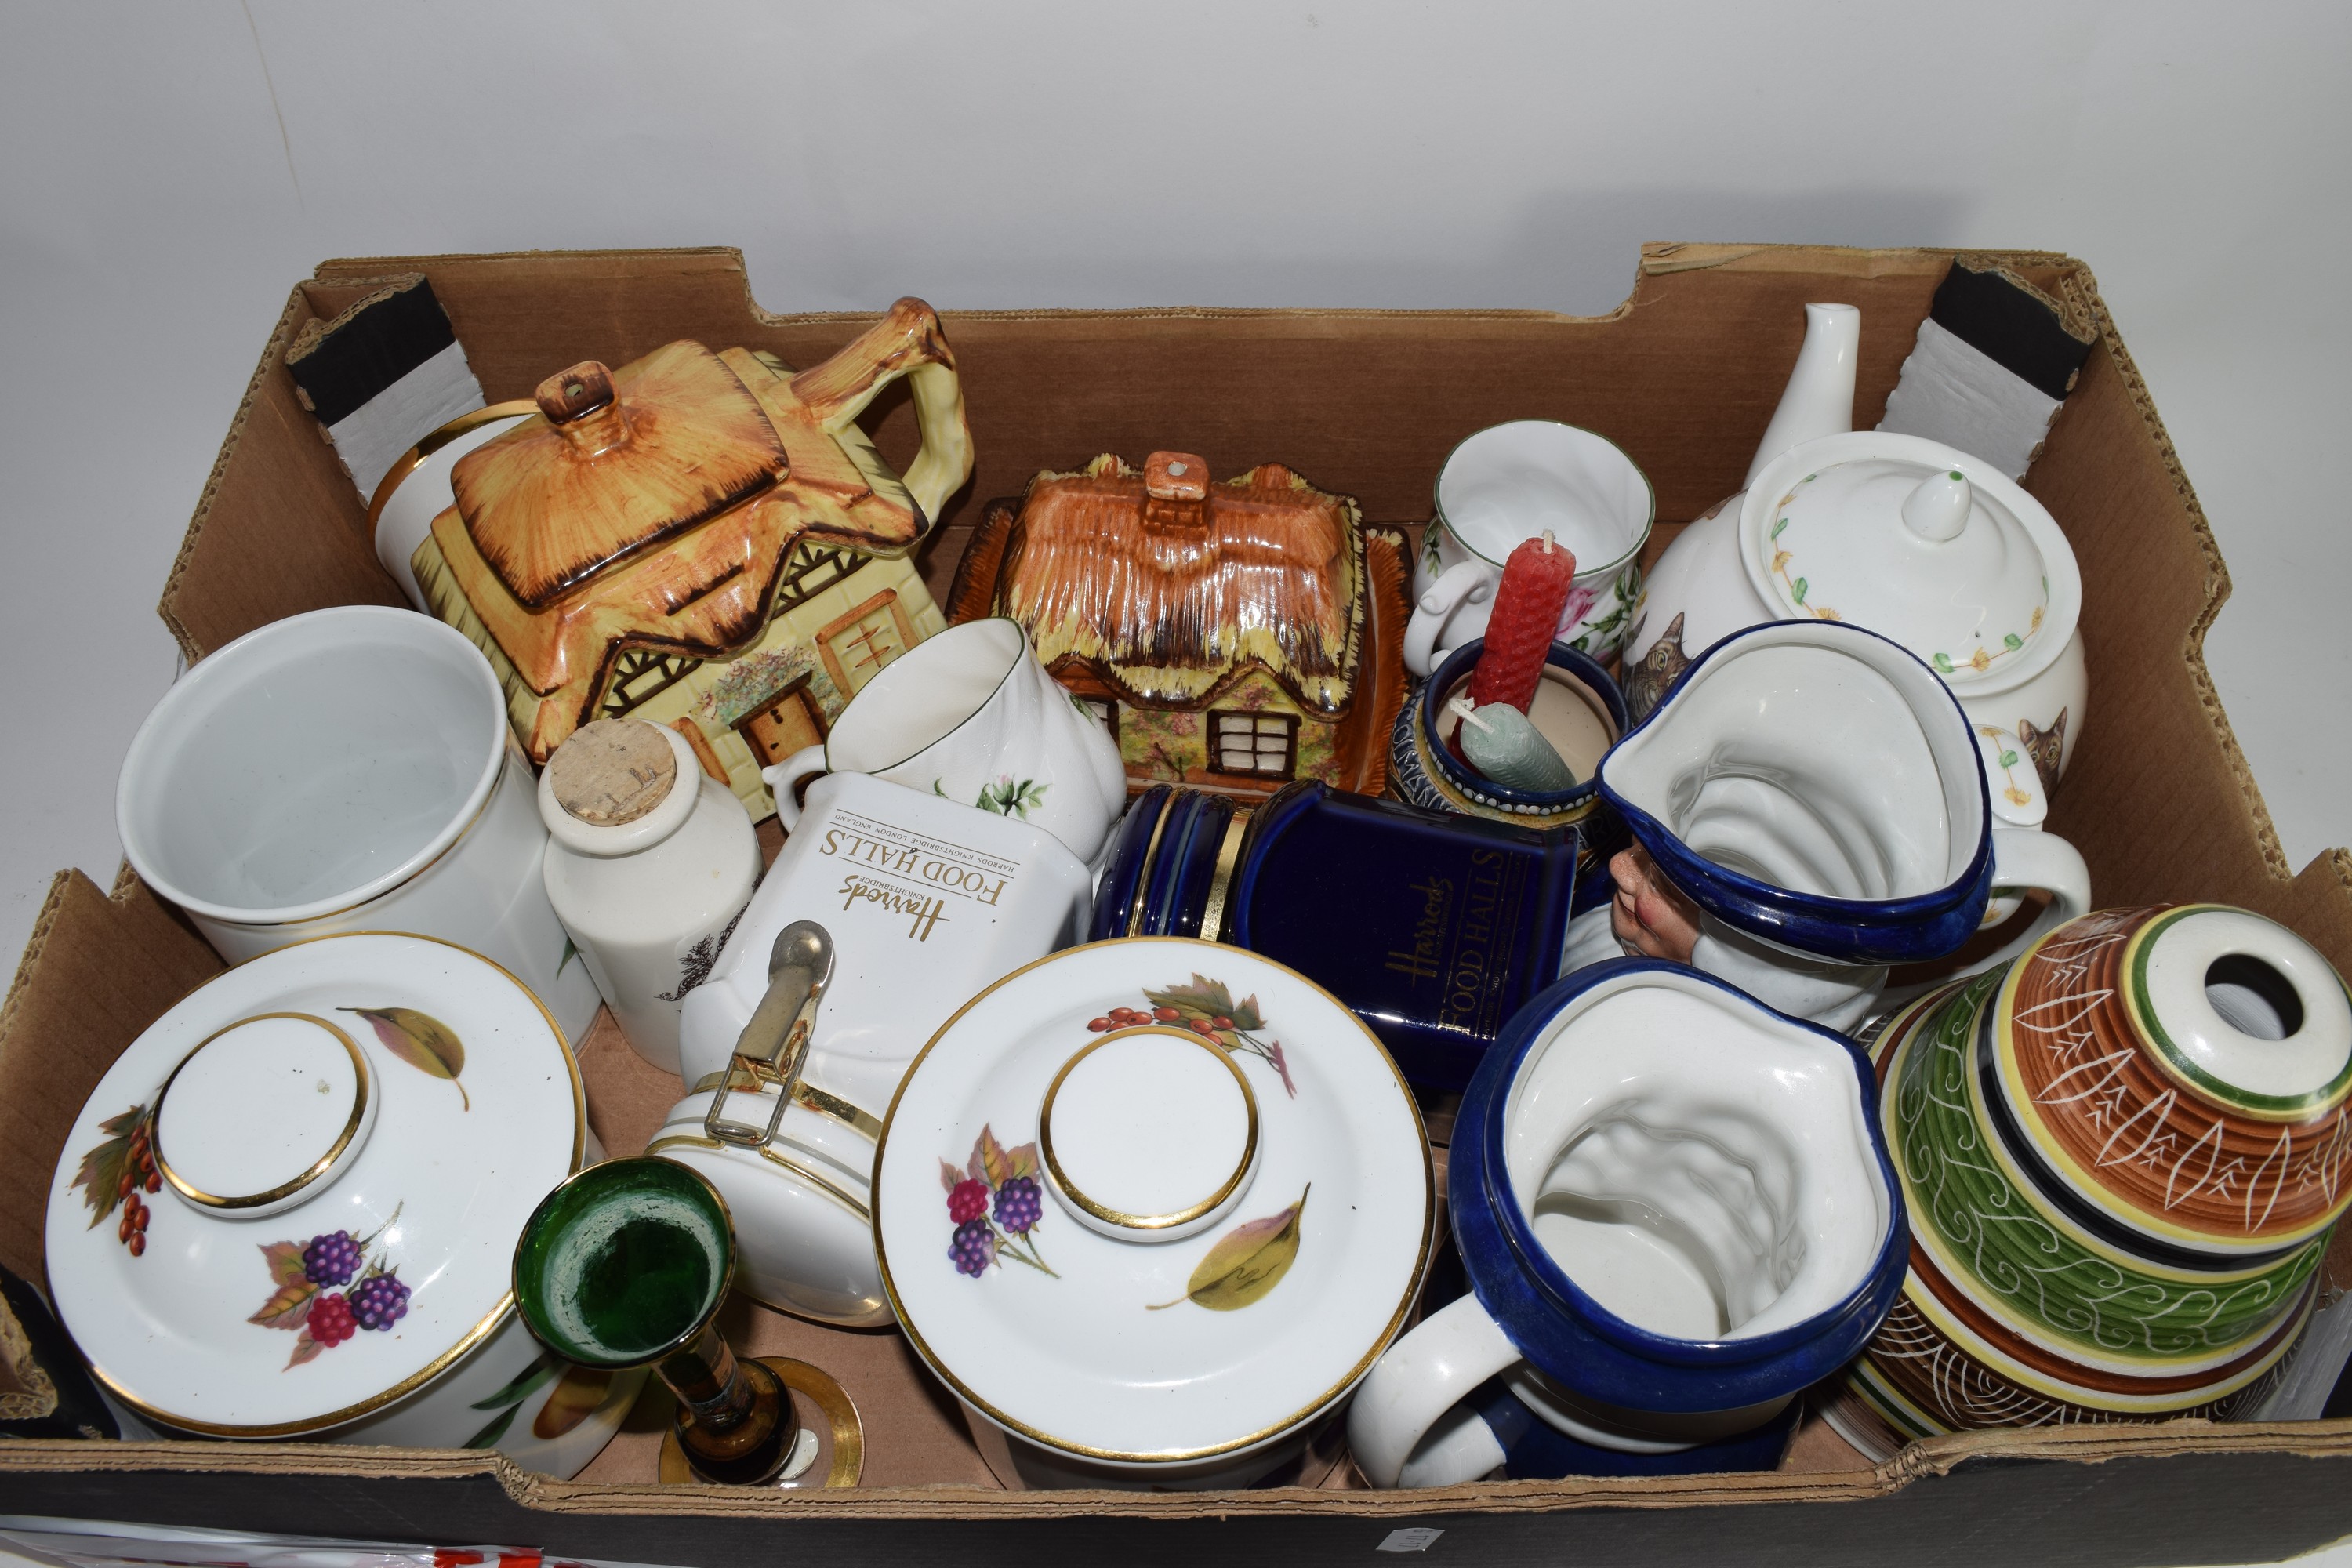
<point x="1234" y="634"/>
<point x="1153" y="1206"/>
<point x="649" y="891"/>
<point x="802" y="1203"/>
<point x="348" y="769"/>
<point x="972" y="716"/>
<point x="1514" y="482"/>
<point x="1451" y="921"/>
<point x="642" y="529"/>
<point x="287" y="1208"/>
<point x="1815" y="790"/>
<point x="415" y="490"/>
<point x="2103" y="1233"/>
<point x="926" y="900"/>
<point x="1673" y="1205"/>
<point x="1578" y="709"/>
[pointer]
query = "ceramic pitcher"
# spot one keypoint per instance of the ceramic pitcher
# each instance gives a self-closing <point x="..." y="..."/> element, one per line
<point x="1816" y="793"/>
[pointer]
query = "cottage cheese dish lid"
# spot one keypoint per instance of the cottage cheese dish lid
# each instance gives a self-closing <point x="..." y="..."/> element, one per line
<point x="1152" y="1200"/>
<point x="1919" y="543"/>
<point x="343" y="1139"/>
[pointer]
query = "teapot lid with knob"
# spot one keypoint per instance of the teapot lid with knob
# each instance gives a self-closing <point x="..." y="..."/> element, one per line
<point x="1920" y="543"/>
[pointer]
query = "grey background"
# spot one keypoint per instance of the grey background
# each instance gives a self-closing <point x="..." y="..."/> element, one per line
<point x="166" y="172"/>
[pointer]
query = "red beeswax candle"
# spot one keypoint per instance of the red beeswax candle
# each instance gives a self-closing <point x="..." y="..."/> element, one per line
<point x="1534" y="590"/>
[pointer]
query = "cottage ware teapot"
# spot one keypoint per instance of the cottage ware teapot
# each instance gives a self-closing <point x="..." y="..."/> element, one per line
<point x="706" y="540"/>
<point x="287" y="1208"/>
<point x="1930" y="546"/>
<point x="2126" y="1153"/>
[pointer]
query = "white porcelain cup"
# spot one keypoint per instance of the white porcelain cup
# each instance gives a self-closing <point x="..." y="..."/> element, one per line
<point x="1511" y="483"/>
<point x="349" y="769"/>
<point x="971" y="714"/>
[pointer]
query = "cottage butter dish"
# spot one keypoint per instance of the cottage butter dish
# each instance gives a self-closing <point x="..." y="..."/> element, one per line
<point x="289" y="1210"/>
<point x="1151" y="1208"/>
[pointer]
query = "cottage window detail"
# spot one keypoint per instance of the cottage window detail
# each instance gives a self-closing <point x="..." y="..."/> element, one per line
<point x="809" y="571"/>
<point x="642" y="674"/>
<point x="855" y="647"/>
<point x="1255" y="745"/>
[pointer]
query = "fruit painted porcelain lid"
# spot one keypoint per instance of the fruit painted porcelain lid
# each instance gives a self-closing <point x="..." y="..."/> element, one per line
<point x="295" y="1197"/>
<point x="1919" y="543"/>
<point x="1152" y="1200"/>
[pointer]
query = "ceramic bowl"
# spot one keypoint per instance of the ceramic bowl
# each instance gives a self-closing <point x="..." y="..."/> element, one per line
<point x="1578" y="708"/>
<point x="1151" y="1207"/>
<point x="349" y="769"/>
<point x="286" y="1209"/>
<point x="1676" y="1209"/>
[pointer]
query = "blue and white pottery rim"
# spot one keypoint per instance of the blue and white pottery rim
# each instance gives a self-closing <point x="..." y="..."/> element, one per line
<point x="1909" y="930"/>
<point x="1485" y="791"/>
<point x="1580" y="1343"/>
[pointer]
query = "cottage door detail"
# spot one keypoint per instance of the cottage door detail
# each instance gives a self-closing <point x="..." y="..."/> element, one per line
<point x="790" y="722"/>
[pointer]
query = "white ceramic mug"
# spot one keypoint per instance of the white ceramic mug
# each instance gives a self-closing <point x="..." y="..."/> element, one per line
<point x="1508" y="484"/>
<point x="349" y="769"/>
<point x="970" y="714"/>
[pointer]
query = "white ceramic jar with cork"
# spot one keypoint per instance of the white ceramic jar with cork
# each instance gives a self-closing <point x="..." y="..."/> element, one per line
<point x="649" y="863"/>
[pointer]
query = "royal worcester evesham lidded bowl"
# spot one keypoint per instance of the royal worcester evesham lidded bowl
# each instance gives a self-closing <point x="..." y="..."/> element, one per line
<point x="289" y="1210"/>
<point x="1151" y="1207"/>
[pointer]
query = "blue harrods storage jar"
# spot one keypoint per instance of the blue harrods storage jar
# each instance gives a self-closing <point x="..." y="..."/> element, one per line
<point x="1433" y="928"/>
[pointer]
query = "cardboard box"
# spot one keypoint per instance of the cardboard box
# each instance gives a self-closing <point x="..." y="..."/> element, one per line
<point x="1684" y="375"/>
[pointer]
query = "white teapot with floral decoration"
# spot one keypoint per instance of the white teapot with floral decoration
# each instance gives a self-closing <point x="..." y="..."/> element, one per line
<point x="1919" y="542"/>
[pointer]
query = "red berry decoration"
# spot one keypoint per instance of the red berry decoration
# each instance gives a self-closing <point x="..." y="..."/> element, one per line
<point x="1098" y="1024"/>
<point x="331" y="1321"/>
<point x="968" y="1202"/>
<point x="155" y="1182"/>
<point x="1537" y="581"/>
<point x="138" y="1245"/>
<point x="1166" y="1014"/>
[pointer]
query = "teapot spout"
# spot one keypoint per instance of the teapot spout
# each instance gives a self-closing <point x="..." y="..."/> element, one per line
<point x="1819" y="398"/>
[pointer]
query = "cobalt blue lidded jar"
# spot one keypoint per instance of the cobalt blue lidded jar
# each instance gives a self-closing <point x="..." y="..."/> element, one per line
<point x="1431" y="927"/>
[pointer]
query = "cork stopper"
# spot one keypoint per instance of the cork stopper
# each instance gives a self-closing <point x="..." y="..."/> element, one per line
<point x="613" y="771"/>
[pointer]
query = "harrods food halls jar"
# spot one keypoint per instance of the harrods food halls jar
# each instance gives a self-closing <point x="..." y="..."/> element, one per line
<point x="289" y="1209"/>
<point x="2124" y="1155"/>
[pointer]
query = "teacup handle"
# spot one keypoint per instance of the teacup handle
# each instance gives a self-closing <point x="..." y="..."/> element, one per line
<point x="1464" y="583"/>
<point x="2027" y="858"/>
<point x="781" y="778"/>
<point x="1425" y="1374"/>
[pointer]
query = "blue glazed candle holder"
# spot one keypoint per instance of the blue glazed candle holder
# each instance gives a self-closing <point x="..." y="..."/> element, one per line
<point x="1581" y="705"/>
<point x="1433" y="929"/>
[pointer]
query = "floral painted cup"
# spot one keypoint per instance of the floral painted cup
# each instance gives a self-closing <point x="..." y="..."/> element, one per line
<point x="971" y="714"/>
<point x="1151" y="1208"/>
<point x="1511" y="483"/>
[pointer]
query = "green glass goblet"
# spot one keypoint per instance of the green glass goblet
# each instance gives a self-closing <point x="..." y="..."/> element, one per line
<point x="625" y="1265"/>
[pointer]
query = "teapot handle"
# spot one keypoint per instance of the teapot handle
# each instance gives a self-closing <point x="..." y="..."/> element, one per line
<point x="906" y="342"/>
